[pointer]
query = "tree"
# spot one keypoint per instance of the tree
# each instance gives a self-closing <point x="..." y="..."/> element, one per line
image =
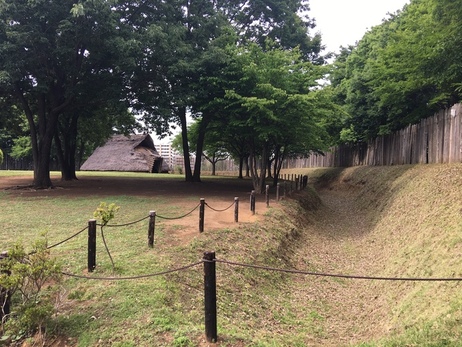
<point x="168" y="86"/>
<point x="272" y="103"/>
<point x="401" y="71"/>
<point x="47" y="50"/>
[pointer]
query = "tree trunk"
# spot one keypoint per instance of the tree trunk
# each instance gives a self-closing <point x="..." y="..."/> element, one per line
<point x="199" y="150"/>
<point x="66" y="153"/>
<point x="241" y="165"/>
<point x="247" y="167"/>
<point x="184" y="137"/>
<point x="42" y="178"/>
<point x="269" y="168"/>
<point x="259" y="176"/>
<point x="278" y="160"/>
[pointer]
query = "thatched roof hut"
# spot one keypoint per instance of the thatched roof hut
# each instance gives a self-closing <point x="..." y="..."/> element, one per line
<point x="134" y="153"/>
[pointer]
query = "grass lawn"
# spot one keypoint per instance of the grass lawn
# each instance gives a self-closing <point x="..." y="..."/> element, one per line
<point x="393" y="222"/>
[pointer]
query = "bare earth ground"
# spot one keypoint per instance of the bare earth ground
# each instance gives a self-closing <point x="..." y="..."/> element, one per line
<point x="335" y="242"/>
<point x="218" y="195"/>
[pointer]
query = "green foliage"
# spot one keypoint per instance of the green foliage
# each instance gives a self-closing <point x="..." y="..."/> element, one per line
<point x="1" y="156"/>
<point x="402" y="70"/>
<point x="22" y="147"/>
<point x="106" y="212"/>
<point x="31" y="278"/>
<point x="272" y="105"/>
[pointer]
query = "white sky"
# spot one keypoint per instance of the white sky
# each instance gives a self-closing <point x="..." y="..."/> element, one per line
<point x="344" y="22"/>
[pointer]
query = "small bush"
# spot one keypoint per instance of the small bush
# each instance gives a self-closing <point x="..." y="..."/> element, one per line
<point x="31" y="279"/>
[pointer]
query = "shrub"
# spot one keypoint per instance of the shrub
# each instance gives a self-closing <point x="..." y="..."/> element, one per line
<point x="105" y="212"/>
<point x="31" y="279"/>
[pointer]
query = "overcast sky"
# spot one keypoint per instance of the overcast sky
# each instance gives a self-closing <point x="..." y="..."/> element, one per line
<point x="343" y="22"/>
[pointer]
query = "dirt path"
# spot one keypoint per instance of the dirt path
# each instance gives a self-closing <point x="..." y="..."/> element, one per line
<point x="338" y="242"/>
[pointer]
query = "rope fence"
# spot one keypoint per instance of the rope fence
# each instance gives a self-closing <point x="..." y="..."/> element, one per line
<point x="209" y="262"/>
<point x="287" y="181"/>
<point x="180" y="217"/>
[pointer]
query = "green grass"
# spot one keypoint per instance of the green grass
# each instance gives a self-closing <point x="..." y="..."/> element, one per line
<point x="415" y="218"/>
<point x="163" y="311"/>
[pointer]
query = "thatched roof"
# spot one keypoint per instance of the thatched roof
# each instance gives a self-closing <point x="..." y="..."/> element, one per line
<point x="125" y="153"/>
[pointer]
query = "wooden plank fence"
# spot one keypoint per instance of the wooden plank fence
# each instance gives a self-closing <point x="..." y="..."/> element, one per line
<point x="437" y="139"/>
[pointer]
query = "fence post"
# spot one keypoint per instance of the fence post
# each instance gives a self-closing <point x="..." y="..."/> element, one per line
<point x="236" y="209"/>
<point x="210" y="297"/>
<point x="252" y="201"/>
<point x="151" y="228"/>
<point x="201" y="215"/>
<point x="267" y="195"/>
<point x="305" y="181"/>
<point x="5" y="300"/>
<point x="91" y="245"/>
<point x="278" y="187"/>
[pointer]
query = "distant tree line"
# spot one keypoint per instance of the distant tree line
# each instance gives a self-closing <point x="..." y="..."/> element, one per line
<point x="401" y="71"/>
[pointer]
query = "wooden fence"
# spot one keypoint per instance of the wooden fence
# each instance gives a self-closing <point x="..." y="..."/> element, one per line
<point x="437" y="139"/>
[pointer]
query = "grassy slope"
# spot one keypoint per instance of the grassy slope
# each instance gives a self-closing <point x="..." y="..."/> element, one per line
<point x="414" y="219"/>
<point x="416" y="216"/>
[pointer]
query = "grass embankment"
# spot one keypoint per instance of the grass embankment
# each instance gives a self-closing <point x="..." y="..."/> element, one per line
<point x="395" y="222"/>
<point x="414" y="224"/>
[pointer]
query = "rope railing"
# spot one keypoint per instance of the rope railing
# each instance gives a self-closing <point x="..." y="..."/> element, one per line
<point x="273" y="269"/>
<point x="179" y="217"/>
<point x="234" y="203"/>
<point x="67" y="239"/>
<point x="135" y="277"/>
<point x="217" y="210"/>
<point x="124" y="225"/>
<point x="355" y="277"/>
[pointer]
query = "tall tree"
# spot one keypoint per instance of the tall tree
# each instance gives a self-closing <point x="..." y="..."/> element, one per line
<point x="47" y="50"/>
<point x="186" y="48"/>
<point x="271" y="101"/>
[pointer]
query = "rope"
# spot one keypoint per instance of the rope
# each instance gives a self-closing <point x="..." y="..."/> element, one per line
<point x="124" y="225"/>
<point x="70" y="237"/>
<point x="107" y="248"/>
<point x="226" y="209"/>
<point x="410" y="279"/>
<point x="185" y="215"/>
<point x="133" y="277"/>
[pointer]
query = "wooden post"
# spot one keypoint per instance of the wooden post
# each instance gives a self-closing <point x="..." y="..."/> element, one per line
<point x="267" y="195"/>
<point x="252" y="201"/>
<point x="210" y="297"/>
<point x="278" y="188"/>
<point x="151" y="228"/>
<point x="201" y="215"/>
<point x="5" y="299"/>
<point x="91" y="245"/>
<point x="305" y="181"/>
<point x="236" y="209"/>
